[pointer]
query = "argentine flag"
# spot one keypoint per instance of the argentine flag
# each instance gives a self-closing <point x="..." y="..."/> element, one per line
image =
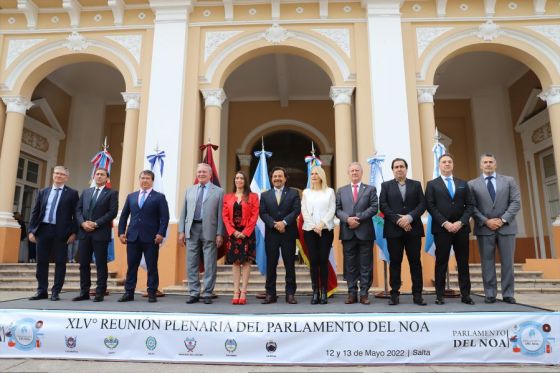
<point x="438" y="151"/>
<point x="261" y="184"/>
<point x="375" y="179"/>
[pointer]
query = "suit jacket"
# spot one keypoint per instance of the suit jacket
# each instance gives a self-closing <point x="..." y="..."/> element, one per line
<point x="249" y="213"/>
<point x="506" y="205"/>
<point x="65" y="220"/>
<point x="443" y="208"/>
<point x="392" y="205"/>
<point x="146" y="222"/>
<point x="103" y="213"/>
<point x="211" y="212"/>
<point x="364" y="209"/>
<point x="288" y="210"/>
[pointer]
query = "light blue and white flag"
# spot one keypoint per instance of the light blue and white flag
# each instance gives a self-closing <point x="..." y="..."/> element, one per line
<point x="260" y="184"/>
<point x="438" y="150"/>
<point x="375" y="179"/>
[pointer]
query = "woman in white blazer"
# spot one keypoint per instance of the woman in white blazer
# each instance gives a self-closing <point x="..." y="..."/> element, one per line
<point x="318" y="206"/>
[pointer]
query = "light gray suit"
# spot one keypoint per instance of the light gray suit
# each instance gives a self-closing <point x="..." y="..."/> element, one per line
<point x="202" y="236"/>
<point x="505" y="207"/>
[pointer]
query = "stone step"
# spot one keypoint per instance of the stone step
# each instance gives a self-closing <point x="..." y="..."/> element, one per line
<point x="516" y="266"/>
<point x="4" y="273"/>
<point x="67" y="280"/>
<point x="518" y="275"/>
<point x="522" y="283"/>
<point x="67" y="287"/>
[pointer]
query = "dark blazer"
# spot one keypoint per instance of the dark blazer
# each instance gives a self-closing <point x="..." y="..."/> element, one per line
<point x="392" y="205"/>
<point x="364" y="209"/>
<point x="249" y="213"/>
<point x="65" y="221"/>
<point x="104" y="211"/>
<point x="443" y="208"/>
<point x="146" y="222"/>
<point x="288" y="210"/>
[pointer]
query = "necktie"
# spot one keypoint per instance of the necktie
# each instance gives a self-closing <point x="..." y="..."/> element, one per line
<point x="92" y="202"/>
<point x="355" y="192"/>
<point x="198" y="206"/>
<point x="450" y="187"/>
<point x="53" y="205"/>
<point x="490" y="187"/>
<point x="278" y="196"/>
<point x="142" y="198"/>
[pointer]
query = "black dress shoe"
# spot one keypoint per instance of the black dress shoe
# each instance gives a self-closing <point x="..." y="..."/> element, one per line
<point x="315" y="297"/>
<point x="291" y="299"/>
<point x="208" y="300"/>
<point x="98" y="298"/>
<point x="55" y="297"/>
<point x="152" y="298"/>
<point x="39" y="296"/>
<point x="127" y="297"/>
<point x="351" y="299"/>
<point x="80" y="297"/>
<point x="191" y="300"/>
<point x="440" y="301"/>
<point x="510" y="300"/>
<point x="269" y="299"/>
<point x="394" y="300"/>
<point x="324" y="295"/>
<point x="467" y="300"/>
<point x="489" y="300"/>
<point x="419" y="301"/>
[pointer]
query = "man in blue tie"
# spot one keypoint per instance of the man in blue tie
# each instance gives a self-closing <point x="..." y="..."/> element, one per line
<point x="52" y="227"/>
<point x="450" y="202"/>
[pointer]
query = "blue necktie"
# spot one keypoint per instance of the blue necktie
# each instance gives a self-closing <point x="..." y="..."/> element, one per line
<point x="53" y="206"/>
<point x="490" y="187"/>
<point x="450" y="187"/>
<point x="142" y="199"/>
<point x="198" y="205"/>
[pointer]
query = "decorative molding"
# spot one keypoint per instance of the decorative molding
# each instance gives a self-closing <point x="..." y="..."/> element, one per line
<point x="539" y="7"/>
<point x="132" y="100"/>
<point x="7" y="220"/>
<point x="276" y="34"/>
<point x="30" y="10"/>
<point x="551" y="95"/>
<point x="117" y="7"/>
<point x="17" y="104"/>
<point x="552" y="32"/>
<point x="425" y="35"/>
<point x="340" y="36"/>
<point x="341" y="95"/>
<point x="213" y="97"/>
<point x="35" y="140"/>
<point x="244" y="160"/>
<point x="426" y="94"/>
<point x="17" y="46"/>
<point x="324" y="9"/>
<point x="489" y="7"/>
<point x="171" y="11"/>
<point x="488" y="31"/>
<point x="214" y="39"/>
<point x="74" y="10"/>
<point x="275" y="9"/>
<point x="76" y="42"/>
<point x="441" y="8"/>
<point x="132" y="43"/>
<point x="542" y="133"/>
<point x="228" y="10"/>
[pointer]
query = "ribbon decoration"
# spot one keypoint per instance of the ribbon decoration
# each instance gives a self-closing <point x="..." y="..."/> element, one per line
<point x="158" y="157"/>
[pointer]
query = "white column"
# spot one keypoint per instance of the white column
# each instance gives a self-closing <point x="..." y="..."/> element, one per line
<point x="388" y="86"/>
<point x="213" y="101"/>
<point x="165" y="102"/>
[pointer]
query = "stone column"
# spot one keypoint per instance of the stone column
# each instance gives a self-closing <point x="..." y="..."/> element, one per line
<point x="2" y="121"/>
<point x="552" y="98"/>
<point x="342" y="98"/>
<point x="326" y="164"/>
<point x="245" y="163"/>
<point x="213" y="100"/>
<point x="427" y="127"/>
<point x="128" y="171"/>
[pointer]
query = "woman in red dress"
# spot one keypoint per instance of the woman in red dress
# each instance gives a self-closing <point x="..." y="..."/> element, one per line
<point x="240" y="214"/>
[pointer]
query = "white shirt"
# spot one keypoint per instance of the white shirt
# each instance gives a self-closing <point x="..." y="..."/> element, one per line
<point x="493" y="179"/>
<point x="147" y="191"/>
<point x="50" y="206"/>
<point x="318" y="206"/>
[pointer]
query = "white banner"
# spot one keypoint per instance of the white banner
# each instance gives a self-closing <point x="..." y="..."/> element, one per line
<point x="477" y="338"/>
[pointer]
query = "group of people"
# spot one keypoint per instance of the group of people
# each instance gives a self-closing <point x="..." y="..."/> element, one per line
<point x="210" y="218"/>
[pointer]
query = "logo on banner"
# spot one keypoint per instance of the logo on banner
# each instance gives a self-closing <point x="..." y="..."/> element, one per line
<point x="151" y="343"/>
<point x="230" y="345"/>
<point x="24" y="334"/>
<point x="271" y="346"/>
<point x="71" y="342"/>
<point x="3" y="334"/>
<point x="111" y="342"/>
<point x="190" y="344"/>
<point x="532" y="338"/>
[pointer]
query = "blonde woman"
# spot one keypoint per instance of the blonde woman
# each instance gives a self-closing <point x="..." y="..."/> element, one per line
<point x="318" y="206"/>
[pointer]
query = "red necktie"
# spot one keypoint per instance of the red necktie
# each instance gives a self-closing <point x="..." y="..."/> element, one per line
<point x="355" y="193"/>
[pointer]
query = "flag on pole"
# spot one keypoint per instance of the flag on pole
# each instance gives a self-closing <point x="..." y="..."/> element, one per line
<point x="260" y="184"/>
<point x="332" y="282"/>
<point x="375" y="179"/>
<point x="438" y="150"/>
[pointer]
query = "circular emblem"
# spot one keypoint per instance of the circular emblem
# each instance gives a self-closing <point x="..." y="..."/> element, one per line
<point x="230" y="345"/>
<point x="111" y="342"/>
<point x="532" y="339"/>
<point x="24" y="334"/>
<point x="151" y="343"/>
<point x="271" y="346"/>
<point x="70" y="342"/>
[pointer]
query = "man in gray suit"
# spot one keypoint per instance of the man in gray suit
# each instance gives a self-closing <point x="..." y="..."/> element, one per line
<point x="356" y="204"/>
<point x="497" y="201"/>
<point x="201" y="228"/>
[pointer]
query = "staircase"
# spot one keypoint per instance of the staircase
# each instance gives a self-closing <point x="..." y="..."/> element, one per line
<point x="525" y="281"/>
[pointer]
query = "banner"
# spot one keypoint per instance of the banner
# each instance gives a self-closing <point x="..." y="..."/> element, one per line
<point x="418" y="338"/>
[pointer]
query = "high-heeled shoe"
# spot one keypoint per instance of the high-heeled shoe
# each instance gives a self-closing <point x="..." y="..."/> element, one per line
<point x="235" y="299"/>
<point x="243" y="297"/>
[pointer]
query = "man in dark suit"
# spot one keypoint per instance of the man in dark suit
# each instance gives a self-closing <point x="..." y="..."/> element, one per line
<point x="402" y="202"/>
<point x="52" y="227"/>
<point x="149" y="217"/>
<point x="97" y="208"/>
<point x="356" y="204"/>
<point x="279" y="209"/>
<point x="450" y="202"/>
